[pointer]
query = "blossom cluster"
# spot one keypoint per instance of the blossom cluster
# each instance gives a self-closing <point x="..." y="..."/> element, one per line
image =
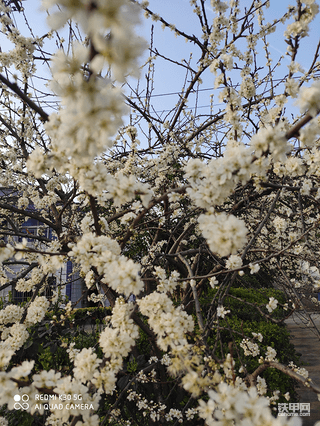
<point x="102" y="252"/>
<point x="116" y="342"/>
<point x="166" y="284"/>
<point x="37" y="310"/>
<point x="169" y="323"/>
<point x="224" y="234"/>
<point x="110" y="25"/>
<point x="242" y="407"/>
<point x="249" y="348"/>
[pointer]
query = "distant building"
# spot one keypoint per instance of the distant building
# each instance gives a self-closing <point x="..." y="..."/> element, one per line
<point x="67" y="278"/>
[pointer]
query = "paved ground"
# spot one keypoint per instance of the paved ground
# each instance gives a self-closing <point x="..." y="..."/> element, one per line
<point x="306" y="340"/>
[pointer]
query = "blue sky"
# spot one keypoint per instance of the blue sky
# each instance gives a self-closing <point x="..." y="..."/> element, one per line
<point x="178" y="11"/>
<point x="169" y="78"/>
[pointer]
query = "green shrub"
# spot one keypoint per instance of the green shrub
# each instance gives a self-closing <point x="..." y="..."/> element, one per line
<point x="245" y="319"/>
<point x="48" y="344"/>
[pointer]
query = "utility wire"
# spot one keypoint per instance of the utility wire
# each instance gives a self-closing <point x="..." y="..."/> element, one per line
<point x="194" y="91"/>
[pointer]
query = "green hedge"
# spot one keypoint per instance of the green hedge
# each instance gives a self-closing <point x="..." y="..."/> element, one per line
<point x="243" y="320"/>
<point x="47" y="343"/>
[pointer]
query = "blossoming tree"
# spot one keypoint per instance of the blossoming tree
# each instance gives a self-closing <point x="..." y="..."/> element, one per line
<point x="159" y="210"/>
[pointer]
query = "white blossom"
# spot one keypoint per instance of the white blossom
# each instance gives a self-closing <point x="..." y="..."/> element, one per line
<point x="270" y="354"/>
<point x="273" y="303"/>
<point x="309" y="99"/>
<point x="254" y="268"/>
<point x="234" y="262"/>
<point x="222" y="312"/>
<point x="249" y="348"/>
<point x="224" y="234"/>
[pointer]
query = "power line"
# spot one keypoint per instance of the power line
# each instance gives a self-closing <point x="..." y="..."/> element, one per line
<point x="171" y="93"/>
<point x="195" y="91"/>
<point x="194" y="107"/>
